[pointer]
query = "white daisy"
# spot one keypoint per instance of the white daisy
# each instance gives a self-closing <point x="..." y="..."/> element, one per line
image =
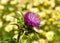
<point x="8" y="28"/>
<point x="49" y="35"/>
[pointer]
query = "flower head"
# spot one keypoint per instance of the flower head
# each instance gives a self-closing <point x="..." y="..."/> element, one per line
<point x="4" y="2"/>
<point x="8" y="28"/>
<point x="1" y="7"/>
<point x="50" y="35"/>
<point x="32" y="19"/>
<point x="9" y="18"/>
<point x="42" y="41"/>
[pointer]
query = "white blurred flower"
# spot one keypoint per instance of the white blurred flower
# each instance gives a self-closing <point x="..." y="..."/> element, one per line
<point x="15" y="20"/>
<point x="29" y="6"/>
<point x="15" y="27"/>
<point x="4" y="2"/>
<point x="37" y="2"/>
<point x="12" y="14"/>
<point x="11" y="9"/>
<point x="9" y="18"/>
<point x="57" y="8"/>
<point x="42" y="14"/>
<point x="48" y="11"/>
<point x="42" y="41"/>
<point x="52" y="4"/>
<point x="1" y="7"/>
<point x="50" y="35"/>
<point x="42" y="22"/>
<point x="34" y="10"/>
<point x="34" y="41"/>
<point x="18" y="12"/>
<point x="15" y="32"/>
<point x="40" y="31"/>
<point x="54" y="16"/>
<point x="55" y="22"/>
<point x="58" y="24"/>
<point x="23" y="1"/>
<point x="21" y="5"/>
<point x="13" y="2"/>
<point x="41" y="2"/>
<point x="4" y="16"/>
<point x="15" y="36"/>
<point x="8" y="28"/>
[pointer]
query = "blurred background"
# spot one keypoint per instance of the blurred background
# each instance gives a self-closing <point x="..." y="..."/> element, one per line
<point x="11" y="20"/>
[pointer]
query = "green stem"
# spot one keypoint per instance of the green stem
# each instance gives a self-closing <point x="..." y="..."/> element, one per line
<point x="21" y="37"/>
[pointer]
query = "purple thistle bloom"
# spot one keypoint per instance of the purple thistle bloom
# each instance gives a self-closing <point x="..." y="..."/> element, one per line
<point x="32" y="19"/>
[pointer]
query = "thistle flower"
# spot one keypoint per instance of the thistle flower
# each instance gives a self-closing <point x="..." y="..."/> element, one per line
<point x="32" y="19"/>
